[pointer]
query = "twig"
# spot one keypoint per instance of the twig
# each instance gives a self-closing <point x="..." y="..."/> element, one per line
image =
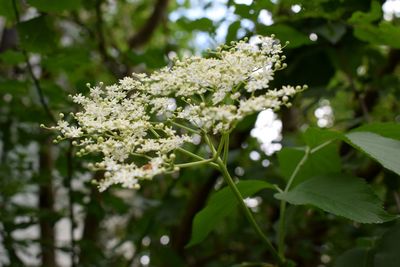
<point x="36" y="81"/>
<point x="113" y="66"/>
<point x="144" y="34"/>
<point x="70" y="201"/>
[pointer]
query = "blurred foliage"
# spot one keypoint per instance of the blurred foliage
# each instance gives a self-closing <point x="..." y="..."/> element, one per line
<point x="344" y="50"/>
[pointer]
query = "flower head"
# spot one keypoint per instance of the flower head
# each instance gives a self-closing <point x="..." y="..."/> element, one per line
<point x="137" y="124"/>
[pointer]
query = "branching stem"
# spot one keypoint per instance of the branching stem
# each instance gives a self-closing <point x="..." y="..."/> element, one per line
<point x="249" y="216"/>
<point x="282" y="216"/>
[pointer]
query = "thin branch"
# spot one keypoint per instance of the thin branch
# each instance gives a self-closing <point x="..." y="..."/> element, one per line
<point x="194" y="163"/>
<point x="71" y="203"/>
<point x="249" y="216"/>
<point x="282" y="215"/>
<point x="113" y="66"/>
<point x="198" y="198"/>
<point x="145" y="33"/>
<point x="36" y="81"/>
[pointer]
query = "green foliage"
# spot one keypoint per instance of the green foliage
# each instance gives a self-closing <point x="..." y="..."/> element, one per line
<point x="384" y="252"/>
<point x="33" y="40"/>
<point x="221" y="205"/>
<point x="55" y="6"/>
<point x="341" y="195"/>
<point x="324" y="161"/>
<point x="286" y="33"/>
<point x="382" y="149"/>
<point x="349" y="168"/>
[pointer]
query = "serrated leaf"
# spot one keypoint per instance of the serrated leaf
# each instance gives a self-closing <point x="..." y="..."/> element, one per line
<point x="339" y="194"/>
<point x="220" y="205"/>
<point x="384" y="150"/>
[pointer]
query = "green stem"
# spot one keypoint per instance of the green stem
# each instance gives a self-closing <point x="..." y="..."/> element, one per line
<point x="282" y="215"/>
<point x="297" y="169"/>
<point x="210" y="144"/>
<point x="226" y="148"/>
<point x="220" y="146"/>
<point x="184" y="151"/>
<point x="249" y="216"/>
<point x="154" y="132"/>
<point x="195" y="163"/>
<point x="184" y="127"/>
<point x="315" y="149"/>
<point x="201" y="159"/>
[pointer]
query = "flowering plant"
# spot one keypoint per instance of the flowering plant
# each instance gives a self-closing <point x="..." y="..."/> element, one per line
<point x="148" y="118"/>
<point x="139" y="124"/>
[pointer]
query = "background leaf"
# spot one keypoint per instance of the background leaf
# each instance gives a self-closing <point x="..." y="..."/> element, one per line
<point x="286" y="33"/>
<point x="353" y="257"/>
<point x="37" y="34"/>
<point x="324" y="161"/>
<point x="220" y="205"/>
<point x="387" y="248"/>
<point x="55" y="6"/>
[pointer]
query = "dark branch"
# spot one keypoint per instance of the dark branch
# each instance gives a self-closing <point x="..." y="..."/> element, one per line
<point x="70" y="170"/>
<point x="46" y="205"/>
<point x="113" y="66"/>
<point x="145" y="33"/>
<point x="197" y="201"/>
<point x="33" y="76"/>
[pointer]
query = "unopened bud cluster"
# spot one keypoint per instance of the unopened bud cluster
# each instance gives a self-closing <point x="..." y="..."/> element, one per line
<point x="137" y="124"/>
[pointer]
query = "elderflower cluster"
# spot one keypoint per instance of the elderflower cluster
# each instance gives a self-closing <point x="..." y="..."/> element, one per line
<point x="137" y="124"/>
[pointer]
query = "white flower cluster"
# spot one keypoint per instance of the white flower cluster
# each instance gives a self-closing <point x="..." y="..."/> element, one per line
<point x="137" y="124"/>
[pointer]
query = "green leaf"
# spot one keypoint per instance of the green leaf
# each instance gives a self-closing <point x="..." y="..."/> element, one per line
<point x="202" y="24"/>
<point x="7" y="10"/>
<point x="14" y="87"/>
<point x="341" y="195"/>
<point x="353" y="257"/>
<point x="232" y="31"/>
<point x="220" y="205"/>
<point x="316" y="136"/>
<point x="363" y="17"/>
<point x="286" y="33"/>
<point x="37" y="35"/>
<point x="244" y="11"/>
<point x="387" y="248"/>
<point x="324" y="161"/>
<point x="384" y="150"/>
<point x="386" y="129"/>
<point x="12" y="57"/>
<point x="385" y="34"/>
<point x="55" y="6"/>
<point x="333" y="32"/>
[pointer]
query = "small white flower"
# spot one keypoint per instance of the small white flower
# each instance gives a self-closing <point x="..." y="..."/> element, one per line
<point x="148" y="117"/>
